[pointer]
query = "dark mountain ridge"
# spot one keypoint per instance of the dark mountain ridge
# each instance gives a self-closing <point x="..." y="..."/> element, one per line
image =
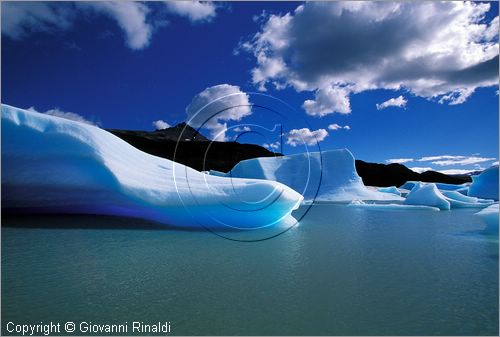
<point x="187" y="146"/>
<point x="382" y="175"/>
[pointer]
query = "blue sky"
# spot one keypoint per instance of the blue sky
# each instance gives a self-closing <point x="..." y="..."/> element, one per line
<point x="126" y="66"/>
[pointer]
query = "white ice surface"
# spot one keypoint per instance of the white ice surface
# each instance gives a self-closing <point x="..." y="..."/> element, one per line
<point x="390" y="189"/>
<point x="329" y="176"/>
<point x="428" y="194"/>
<point x="50" y="164"/>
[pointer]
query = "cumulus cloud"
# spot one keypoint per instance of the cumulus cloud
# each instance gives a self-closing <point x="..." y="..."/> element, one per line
<point x="66" y="115"/>
<point x="195" y="11"/>
<point x="20" y="18"/>
<point x="437" y="50"/>
<point x="328" y="100"/>
<point x="160" y="125"/>
<point x="215" y="106"/>
<point x="494" y="163"/>
<point x="335" y="127"/>
<point x="448" y="160"/>
<point x="130" y="17"/>
<point x="305" y="136"/>
<point x="272" y="146"/>
<point x="399" y="160"/>
<point x="398" y="102"/>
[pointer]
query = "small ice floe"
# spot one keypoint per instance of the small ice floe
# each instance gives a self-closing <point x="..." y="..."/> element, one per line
<point x="490" y="217"/>
<point x="430" y="195"/>
<point x="391" y="189"/>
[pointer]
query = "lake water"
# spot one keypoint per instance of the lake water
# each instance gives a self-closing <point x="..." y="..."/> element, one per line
<point x="342" y="270"/>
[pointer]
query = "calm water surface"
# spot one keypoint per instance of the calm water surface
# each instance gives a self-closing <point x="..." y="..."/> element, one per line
<point x="343" y="270"/>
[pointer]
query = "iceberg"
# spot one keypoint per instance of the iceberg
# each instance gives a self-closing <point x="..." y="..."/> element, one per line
<point x="392" y="207"/>
<point x="490" y="216"/>
<point x="485" y="185"/>
<point x="427" y="195"/>
<point x="50" y="164"/>
<point x="451" y="187"/>
<point x="457" y="196"/>
<point x="462" y="188"/>
<point x="409" y="185"/>
<point x="390" y="189"/>
<point x="328" y="176"/>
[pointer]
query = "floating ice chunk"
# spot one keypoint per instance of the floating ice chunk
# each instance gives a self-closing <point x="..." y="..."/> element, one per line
<point x="390" y="189"/>
<point x="428" y="195"/>
<point x="485" y="185"/>
<point x="456" y="195"/>
<point x="50" y="164"/>
<point x="393" y="207"/>
<point x="329" y="176"/>
<point x="490" y="216"/>
<point x="441" y="186"/>
<point x="451" y="187"/>
<point x="409" y="185"/>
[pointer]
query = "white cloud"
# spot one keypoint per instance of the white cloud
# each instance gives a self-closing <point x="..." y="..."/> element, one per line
<point x="420" y="169"/>
<point x="19" y="18"/>
<point x="215" y="106"/>
<point x="305" y="136"/>
<point x="66" y="115"/>
<point x="494" y="163"/>
<point x="335" y="127"/>
<point x="272" y="146"/>
<point x="399" y="102"/>
<point x="242" y="129"/>
<point x="399" y="160"/>
<point x="195" y="11"/>
<point x="130" y="16"/>
<point x="431" y="158"/>
<point x="160" y="125"/>
<point x="328" y="100"/>
<point x="448" y="160"/>
<point x="436" y="50"/>
<point x="462" y="161"/>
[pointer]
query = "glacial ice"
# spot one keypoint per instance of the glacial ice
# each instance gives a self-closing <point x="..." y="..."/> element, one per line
<point x="408" y="185"/>
<point x="427" y="195"/>
<point x="50" y="164"/>
<point x="464" y="198"/>
<point x="329" y="176"/>
<point x="490" y="216"/>
<point x="390" y="189"/>
<point x="451" y="187"/>
<point x="392" y="207"/>
<point x="485" y="185"/>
